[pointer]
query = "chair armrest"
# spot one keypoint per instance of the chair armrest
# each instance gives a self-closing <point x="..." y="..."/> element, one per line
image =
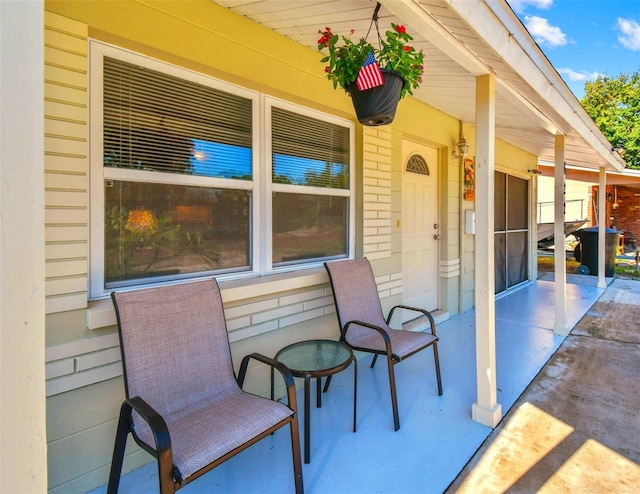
<point x="274" y="364"/>
<point x="424" y="312"/>
<point x="160" y="432"/>
<point x="380" y="330"/>
<point x="154" y="420"/>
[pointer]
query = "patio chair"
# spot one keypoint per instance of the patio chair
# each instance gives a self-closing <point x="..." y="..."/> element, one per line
<point x="364" y="328"/>
<point x="183" y="402"/>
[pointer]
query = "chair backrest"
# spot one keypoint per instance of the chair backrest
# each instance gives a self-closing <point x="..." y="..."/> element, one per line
<point x="174" y="342"/>
<point x="355" y="292"/>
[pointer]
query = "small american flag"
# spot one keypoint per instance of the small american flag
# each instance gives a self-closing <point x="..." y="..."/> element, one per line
<point x="370" y="74"/>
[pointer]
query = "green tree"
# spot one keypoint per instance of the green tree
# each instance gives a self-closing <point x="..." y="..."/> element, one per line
<point x="614" y="105"/>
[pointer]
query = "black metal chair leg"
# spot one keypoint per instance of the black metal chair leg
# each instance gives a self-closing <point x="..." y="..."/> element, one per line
<point x="165" y="474"/>
<point x="297" y="458"/>
<point x="122" y="432"/>
<point x="394" y="395"/>
<point x="437" y="362"/>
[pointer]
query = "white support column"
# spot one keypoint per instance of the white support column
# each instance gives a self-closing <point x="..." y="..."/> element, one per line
<point x="23" y="444"/>
<point x="560" y="256"/>
<point x="602" y="227"/>
<point x="486" y="409"/>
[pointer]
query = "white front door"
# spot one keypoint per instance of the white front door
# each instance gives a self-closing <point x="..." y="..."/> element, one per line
<point x="420" y="228"/>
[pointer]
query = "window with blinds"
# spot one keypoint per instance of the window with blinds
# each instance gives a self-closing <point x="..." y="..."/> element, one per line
<point x="178" y="182"/>
<point x="308" y="152"/>
<point x="158" y="122"/>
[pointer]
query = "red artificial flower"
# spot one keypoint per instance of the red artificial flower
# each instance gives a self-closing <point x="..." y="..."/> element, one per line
<point x="407" y="48"/>
<point x="326" y="69"/>
<point x="352" y="31"/>
<point x="401" y="29"/>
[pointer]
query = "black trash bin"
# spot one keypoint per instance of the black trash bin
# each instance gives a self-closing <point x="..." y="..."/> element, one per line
<point x="588" y="251"/>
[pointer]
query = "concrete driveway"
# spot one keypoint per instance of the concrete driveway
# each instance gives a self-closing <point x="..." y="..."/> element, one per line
<point x="576" y="427"/>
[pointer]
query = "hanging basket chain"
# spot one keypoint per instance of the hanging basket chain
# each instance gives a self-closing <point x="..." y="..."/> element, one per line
<point x="374" y="20"/>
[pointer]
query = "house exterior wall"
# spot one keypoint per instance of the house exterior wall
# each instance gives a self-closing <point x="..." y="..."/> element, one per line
<point x="622" y="210"/>
<point x="84" y="382"/>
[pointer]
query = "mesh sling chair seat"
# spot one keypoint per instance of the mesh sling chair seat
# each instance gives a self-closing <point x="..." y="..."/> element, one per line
<point x="183" y="403"/>
<point x="364" y="328"/>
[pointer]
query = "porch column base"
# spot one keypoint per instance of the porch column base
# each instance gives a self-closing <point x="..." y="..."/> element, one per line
<point x="489" y="417"/>
<point x="561" y="329"/>
<point x="601" y="284"/>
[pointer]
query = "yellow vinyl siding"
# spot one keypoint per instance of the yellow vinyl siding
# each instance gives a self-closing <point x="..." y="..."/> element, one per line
<point x="66" y="164"/>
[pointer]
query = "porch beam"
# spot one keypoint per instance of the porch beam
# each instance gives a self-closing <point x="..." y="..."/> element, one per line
<point x="560" y="255"/>
<point x="419" y="19"/>
<point x="23" y="448"/>
<point x="602" y="227"/>
<point x="486" y="409"/>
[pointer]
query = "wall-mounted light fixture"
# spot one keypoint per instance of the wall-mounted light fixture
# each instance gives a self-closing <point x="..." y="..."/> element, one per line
<point x="462" y="147"/>
<point x="609" y="197"/>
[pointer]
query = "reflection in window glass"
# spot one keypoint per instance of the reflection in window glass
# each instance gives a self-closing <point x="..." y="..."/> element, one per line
<point x="315" y="173"/>
<point x="221" y="160"/>
<point x="159" y="230"/>
<point x="158" y="122"/>
<point x="309" y="227"/>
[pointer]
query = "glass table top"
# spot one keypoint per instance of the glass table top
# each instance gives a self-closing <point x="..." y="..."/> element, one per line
<point x="314" y="356"/>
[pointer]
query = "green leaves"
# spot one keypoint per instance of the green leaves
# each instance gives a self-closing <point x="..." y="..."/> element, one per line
<point x="344" y="61"/>
<point x="614" y="105"/>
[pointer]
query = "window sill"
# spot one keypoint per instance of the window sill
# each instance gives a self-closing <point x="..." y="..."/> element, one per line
<point x="101" y="314"/>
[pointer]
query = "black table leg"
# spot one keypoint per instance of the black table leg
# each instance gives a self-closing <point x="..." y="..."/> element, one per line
<point x="307" y="418"/>
<point x="355" y="390"/>
<point x="318" y="394"/>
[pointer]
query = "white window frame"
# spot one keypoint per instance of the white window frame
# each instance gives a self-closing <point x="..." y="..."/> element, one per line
<point x="271" y="188"/>
<point x="260" y="186"/>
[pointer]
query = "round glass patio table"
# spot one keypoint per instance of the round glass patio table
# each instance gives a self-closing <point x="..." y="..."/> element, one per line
<point x="317" y="358"/>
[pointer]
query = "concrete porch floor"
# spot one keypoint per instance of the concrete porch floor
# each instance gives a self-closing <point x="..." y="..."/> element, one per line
<point x="437" y="435"/>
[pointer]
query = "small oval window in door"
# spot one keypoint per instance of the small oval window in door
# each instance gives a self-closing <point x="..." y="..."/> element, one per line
<point x="417" y="164"/>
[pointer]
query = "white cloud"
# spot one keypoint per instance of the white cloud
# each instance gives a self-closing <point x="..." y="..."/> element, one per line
<point x="629" y="33"/>
<point x="543" y="32"/>
<point x="581" y="76"/>
<point x="520" y="5"/>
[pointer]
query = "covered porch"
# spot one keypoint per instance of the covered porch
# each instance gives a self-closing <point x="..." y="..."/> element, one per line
<point x="438" y="435"/>
<point x="486" y="81"/>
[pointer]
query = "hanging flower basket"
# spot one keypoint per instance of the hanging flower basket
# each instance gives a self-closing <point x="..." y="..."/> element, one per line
<point x="377" y="106"/>
<point x="376" y="78"/>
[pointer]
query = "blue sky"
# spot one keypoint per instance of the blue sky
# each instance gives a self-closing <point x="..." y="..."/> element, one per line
<point x="585" y="38"/>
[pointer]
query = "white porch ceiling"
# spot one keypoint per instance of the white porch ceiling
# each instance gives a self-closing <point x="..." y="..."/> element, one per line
<point x="462" y="39"/>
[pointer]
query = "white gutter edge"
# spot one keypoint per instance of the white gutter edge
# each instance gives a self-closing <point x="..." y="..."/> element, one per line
<point x="527" y="56"/>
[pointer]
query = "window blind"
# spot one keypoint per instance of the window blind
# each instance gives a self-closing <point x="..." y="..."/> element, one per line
<point x="308" y="151"/>
<point x="158" y="122"/>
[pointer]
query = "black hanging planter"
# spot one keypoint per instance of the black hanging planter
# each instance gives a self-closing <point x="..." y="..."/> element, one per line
<point x="377" y="106"/>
